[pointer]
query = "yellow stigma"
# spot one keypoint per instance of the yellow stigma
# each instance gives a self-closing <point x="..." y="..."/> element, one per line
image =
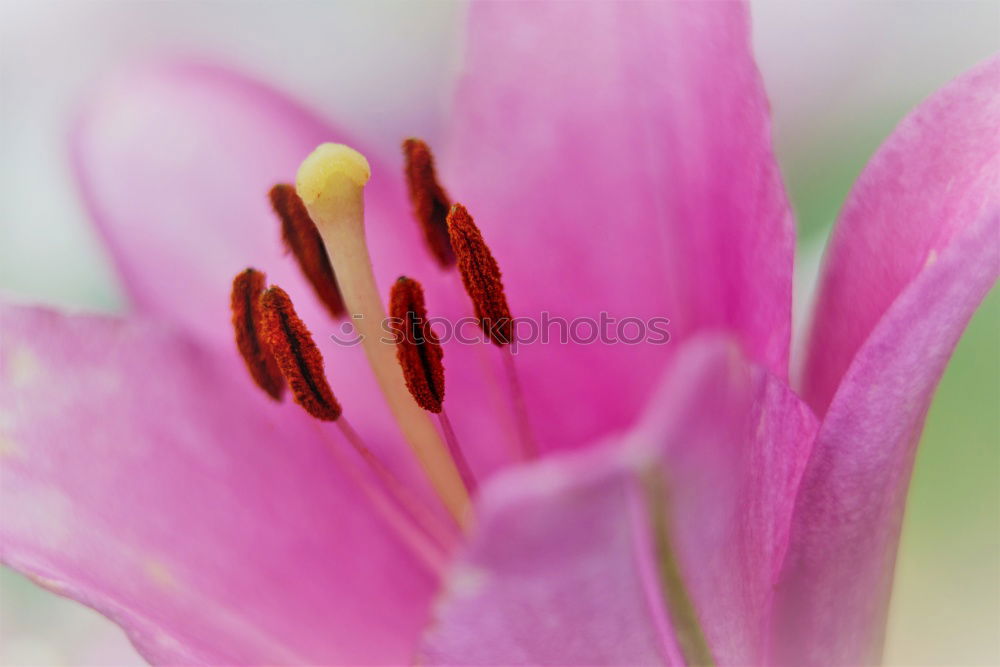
<point x="330" y="174"/>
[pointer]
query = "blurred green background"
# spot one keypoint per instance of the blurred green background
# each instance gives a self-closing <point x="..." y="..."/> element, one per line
<point x="840" y="76"/>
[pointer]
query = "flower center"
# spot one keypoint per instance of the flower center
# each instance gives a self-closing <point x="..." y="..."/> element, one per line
<point x="322" y="220"/>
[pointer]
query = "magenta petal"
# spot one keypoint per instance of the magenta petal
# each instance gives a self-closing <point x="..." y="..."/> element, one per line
<point x="934" y="177"/>
<point x="617" y="157"/>
<point x="147" y="479"/>
<point x="834" y="592"/>
<point x="561" y="568"/>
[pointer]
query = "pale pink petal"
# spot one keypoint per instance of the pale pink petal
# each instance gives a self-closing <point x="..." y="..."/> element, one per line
<point x="732" y="498"/>
<point x="175" y="161"/>
<point x="617" y="157"/>
<point x="835" y="588"/>
<point x="149" y="479"/>
<point x="933" y="178"/>
<point x="553" y="574"/>
<point x="562" y="566"/>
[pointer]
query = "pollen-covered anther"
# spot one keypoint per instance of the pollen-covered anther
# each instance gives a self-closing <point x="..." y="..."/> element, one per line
<point x="248" y="285"/>
<point x="481" y="276"/>
<point x="304" y="241"/>
<point x="417" y="347"/>
<point x="298" y="357"/>
<point x="430" y="202"/>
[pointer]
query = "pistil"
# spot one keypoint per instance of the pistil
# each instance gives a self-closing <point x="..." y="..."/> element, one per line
<point x="331" y="184"/>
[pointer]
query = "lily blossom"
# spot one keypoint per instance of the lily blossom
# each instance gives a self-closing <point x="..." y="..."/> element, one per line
<point x="687" y="505"/>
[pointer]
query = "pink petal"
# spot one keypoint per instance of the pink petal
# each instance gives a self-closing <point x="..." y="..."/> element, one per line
<point x="562" y="569"/>
<point x="932" y="179"/>
<point x="146" y="477"/>
<point x="835" y="587"/>
<point x="175" y="161"/>
<point x="617" y="157"/>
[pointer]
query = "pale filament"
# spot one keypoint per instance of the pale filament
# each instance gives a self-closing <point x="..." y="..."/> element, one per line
<point x="444" y="535"/>
<point x="520" y="407"/>
<point x="468" y="478"/>
<point x="408" y="532"/>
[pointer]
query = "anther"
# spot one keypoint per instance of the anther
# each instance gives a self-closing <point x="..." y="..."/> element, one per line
<point x="298" y="357"/>
<point x="481" y="276"/>
<point x="303" y="240"/>
<point x="430" y="201"/>
<point x="419" y="353"/>
<point x="331" y="184"/>
<point x="417" y="347"/>
<point x="245" y="302"/>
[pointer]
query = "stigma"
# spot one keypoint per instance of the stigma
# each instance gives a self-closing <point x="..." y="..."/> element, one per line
<point x="330" y="182"/>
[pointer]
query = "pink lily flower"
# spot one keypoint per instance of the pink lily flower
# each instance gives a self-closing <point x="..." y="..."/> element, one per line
<point x="688" y="506"/>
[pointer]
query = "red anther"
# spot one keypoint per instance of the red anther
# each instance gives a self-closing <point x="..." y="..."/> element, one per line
<point x="417" y="347"/>
<point x="245" y="303"/>
<point x="298" y="357"/>
<point x="481" y="276"/>
<point x="430" y="201"/>
<point x="303" y="240"/>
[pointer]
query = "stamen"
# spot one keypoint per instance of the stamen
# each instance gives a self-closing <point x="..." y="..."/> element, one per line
<point x="430" y="201"/>
<point x="481" y="276"/>
<point x="303" y="240"/>
<point x="417" y="347"/>
<point x="331" y="184"/>
<point x="245" y="302"/>
<point x="419" y="353"/>
<point x="298" y="357"/>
